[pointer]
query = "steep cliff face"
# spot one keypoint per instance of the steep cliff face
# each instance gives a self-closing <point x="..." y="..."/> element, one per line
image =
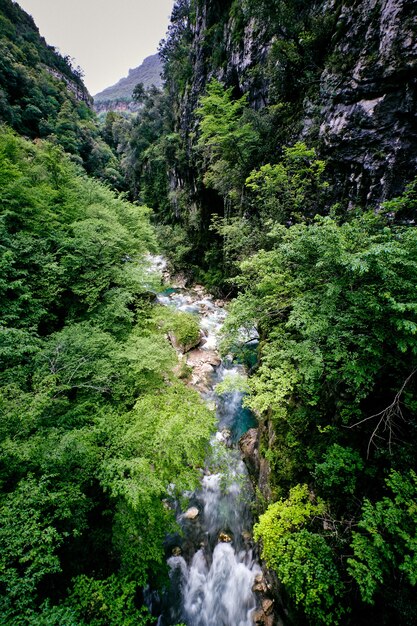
<point x="354" y="93"/>
<point x="368" y="98"/>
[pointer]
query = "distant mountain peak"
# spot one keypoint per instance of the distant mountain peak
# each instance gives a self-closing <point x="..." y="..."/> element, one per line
<point x="119" y="97"/>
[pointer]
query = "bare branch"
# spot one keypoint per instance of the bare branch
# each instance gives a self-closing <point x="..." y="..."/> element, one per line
<point x="388" y="418"/>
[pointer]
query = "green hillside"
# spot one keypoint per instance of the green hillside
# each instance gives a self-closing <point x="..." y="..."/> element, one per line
<point x="43" y="97"/>
<point x="35" y="80"/>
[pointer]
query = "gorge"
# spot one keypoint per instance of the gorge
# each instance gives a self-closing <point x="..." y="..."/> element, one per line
<point x="214" y="569"/>
<point x="236" y="444"/>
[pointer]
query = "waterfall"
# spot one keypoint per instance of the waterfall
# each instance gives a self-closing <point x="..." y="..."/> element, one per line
<point x="214" y="565"/>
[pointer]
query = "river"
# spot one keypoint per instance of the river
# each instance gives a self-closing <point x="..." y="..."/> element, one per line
<point x="213" y="563"/>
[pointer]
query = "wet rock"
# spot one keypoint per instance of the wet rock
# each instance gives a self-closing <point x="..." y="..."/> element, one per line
<point x="249" y="446"/>
<point x="225" y="538"/>
<point x="199" y="385"/>
<point x="260" y="619"/>
<point x="202" y="363"/>
<point x="247" y="537"/>
<point x="192" y="513"/>
<point x="198" y="357"/>
<point x="259" y="585"/>
<point x="179" y="280"/>
<point x="224" y="436"/>
<point x="200" y="290"/>
<point x="176" y="551"/>
<point x="267" y="606"/>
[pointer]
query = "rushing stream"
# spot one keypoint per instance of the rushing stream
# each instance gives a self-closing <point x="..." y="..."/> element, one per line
<point x="213" y="565"/>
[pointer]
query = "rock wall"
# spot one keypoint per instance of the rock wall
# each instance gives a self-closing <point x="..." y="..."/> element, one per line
<point x="362" y="113"/>
<point x="368" y="98"/>
<point x="78" y="89"/>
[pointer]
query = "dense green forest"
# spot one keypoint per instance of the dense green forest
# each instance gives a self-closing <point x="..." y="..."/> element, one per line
<point x="95" y="426"/>
<point x="218" y="171"/>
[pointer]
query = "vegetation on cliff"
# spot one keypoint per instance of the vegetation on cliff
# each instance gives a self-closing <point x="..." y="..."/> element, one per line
<point x="43" y="96"/>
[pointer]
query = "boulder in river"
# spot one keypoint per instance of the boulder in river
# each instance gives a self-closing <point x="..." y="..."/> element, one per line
<point x="198" y="357"/>
<point x="202" y="363"/>
<point x="261" y="619"/>
<point x="225" y="538"/>
<point x="267" y="606"/>
<point x="260" y="585"/>
<point x="192" y="513"/>
<point x="183" y="348"/>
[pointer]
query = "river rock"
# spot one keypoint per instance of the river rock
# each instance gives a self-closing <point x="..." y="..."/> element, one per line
<point x="224" y="436"/>
<point x="192" y="513"/>
<point x="183" y="348"/>
<point x="179" y="280"/>
<point x="202" y="363"/>
<point x="267" y="606"/>
<point x="225" y="538"/>
<point x="249" y="446"/>
<point x="259" y="585"/>
<point x="200" y="290"/>
<point x="199" y="357"/>
<point x="260" y="619"/>
<point x="176" y="551"/>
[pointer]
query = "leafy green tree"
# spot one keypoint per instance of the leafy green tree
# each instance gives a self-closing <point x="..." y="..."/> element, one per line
<point x="227" y="140"/>
<point x="339" y="471"/>
<point x="109" y="602"/>
<point x="95" y="427"/>
<point x="291" y="190"/>
<point x="335" y="302"/>
<point x="301" y="558"/>
<point x="35" y="519"/>
<point x="385" y="544"/>
<point x="335" y="307"/>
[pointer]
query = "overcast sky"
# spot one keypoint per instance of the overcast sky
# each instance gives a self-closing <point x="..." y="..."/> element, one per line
<point x="106" y="37"/>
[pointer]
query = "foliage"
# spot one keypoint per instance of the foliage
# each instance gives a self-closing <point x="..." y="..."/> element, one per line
<point x="403" y="207"/>
<point x="291" y="190"/>
<point x="386" y="541"/>
<point x="184" y="327"/>
<point x="332" y="300"/>
<point x="42" y="95"/>
<point x="335" y="308"/>
<point x="302" y="559"/>
<point x="109" y="602"/>
<point x="175" y="49"/>
<point x="95" y="428"/>
<point x="339" y="470"/>
<point x="226" y="140"/>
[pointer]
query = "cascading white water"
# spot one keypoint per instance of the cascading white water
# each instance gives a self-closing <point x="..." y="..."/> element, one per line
<point x="211" y="582"/>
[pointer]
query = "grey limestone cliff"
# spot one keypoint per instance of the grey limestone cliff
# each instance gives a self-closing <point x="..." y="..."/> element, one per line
<point x="361" y="106"/>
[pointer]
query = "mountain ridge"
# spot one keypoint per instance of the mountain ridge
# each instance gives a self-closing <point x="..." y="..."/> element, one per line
<point x="119" y="97"/>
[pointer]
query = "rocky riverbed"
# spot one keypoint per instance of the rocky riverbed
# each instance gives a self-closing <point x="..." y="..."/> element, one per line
<point x="216" y="578"/>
